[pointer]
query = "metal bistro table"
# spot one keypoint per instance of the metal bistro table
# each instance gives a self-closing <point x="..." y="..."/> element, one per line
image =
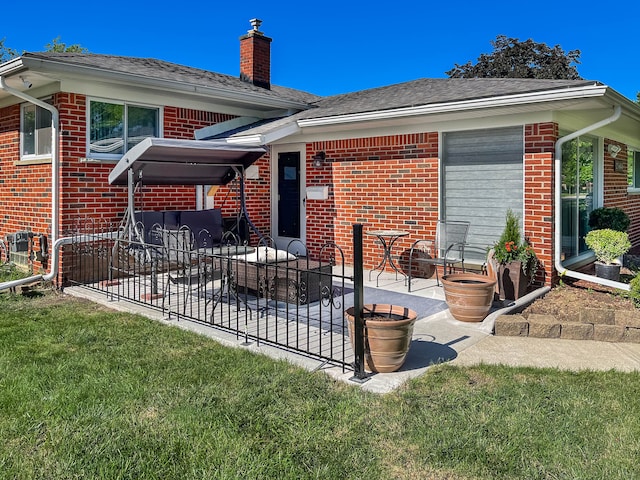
<point x="387" y="239"/>
<point x="225" y="254"/>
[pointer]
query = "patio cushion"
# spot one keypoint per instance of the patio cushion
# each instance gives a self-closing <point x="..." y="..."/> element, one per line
<point x="266" y="255"/>
<point x="206" y="225"/>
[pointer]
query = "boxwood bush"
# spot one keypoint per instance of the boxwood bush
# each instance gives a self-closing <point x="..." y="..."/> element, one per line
<point x="612" y="218"/>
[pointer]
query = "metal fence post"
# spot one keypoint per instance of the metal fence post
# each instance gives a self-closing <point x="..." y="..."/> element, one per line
<point x="358" y="293"/>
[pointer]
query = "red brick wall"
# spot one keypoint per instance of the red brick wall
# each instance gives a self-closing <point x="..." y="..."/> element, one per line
<point x="615" y="190"/>
<point x="381" y="182"/>
<point x="539" y="154"/>
<point x="24" y="188"/>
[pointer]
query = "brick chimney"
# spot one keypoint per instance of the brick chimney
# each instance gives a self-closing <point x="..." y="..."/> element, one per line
<point x="255" y="56"/>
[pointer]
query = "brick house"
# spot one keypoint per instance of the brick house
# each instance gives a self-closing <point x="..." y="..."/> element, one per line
<point x="398" y="156"/>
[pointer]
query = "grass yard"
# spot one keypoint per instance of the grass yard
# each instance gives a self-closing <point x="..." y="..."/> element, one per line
<point x="90" y="393"/>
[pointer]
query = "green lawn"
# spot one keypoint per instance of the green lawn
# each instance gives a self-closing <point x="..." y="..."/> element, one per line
<point x="89" y="393"/>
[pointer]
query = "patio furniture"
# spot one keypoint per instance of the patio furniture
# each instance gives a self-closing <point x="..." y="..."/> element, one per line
<point x="387" y="238"/>
<point x="446" y="249"/>
<point x="278" y="275"/>
<point x="181" y="261"/>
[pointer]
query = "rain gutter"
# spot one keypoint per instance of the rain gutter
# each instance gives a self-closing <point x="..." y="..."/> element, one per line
<point x="562" y="270"/>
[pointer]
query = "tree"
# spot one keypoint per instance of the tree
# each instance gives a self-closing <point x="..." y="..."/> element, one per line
<point x="57" y="46"/>
<point x="7" y="53"/>
<point x="512" y="58"/>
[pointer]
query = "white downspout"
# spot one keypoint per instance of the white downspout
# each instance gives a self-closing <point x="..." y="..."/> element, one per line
<point x="562" y="270"/>
<point x="55" y="147"/>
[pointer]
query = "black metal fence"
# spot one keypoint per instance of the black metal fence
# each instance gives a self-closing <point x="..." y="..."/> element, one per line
<point x="261" y="294"/>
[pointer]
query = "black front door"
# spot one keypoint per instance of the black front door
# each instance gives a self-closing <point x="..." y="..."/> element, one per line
<point x="289" y="194"/>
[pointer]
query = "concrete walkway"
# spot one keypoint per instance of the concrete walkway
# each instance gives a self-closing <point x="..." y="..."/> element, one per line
<point x="436" y="339"/>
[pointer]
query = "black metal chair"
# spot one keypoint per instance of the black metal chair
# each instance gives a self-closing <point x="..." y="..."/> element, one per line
<point x="181" y="258"/>
<point x="447" y="249"/>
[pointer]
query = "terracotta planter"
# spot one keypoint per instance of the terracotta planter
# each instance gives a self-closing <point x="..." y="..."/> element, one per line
<point x="512" y="282"/>
<point x="468" y="295"/>
<point x="387" y="335"/>
<point x="608" y="271"/>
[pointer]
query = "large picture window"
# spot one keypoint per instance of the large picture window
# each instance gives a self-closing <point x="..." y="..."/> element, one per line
<point x="116" y="127"/>
<point x="35" y="132"/>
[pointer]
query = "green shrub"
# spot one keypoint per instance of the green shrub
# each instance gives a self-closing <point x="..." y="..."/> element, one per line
<point x="635" y="291"/>
<point x="607" y="244"/>
<point x="612" y="218"/>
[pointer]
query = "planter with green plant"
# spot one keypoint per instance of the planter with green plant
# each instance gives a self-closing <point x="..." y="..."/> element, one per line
<point x="515" y="261"/>
<point x="608" y="245"/>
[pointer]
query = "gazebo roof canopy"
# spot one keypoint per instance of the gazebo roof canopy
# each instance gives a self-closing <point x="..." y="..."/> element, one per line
<point x="162" y="161"/>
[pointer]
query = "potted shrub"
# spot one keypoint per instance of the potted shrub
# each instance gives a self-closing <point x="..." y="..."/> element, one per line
<point x="516" y="262"/>
<point x="609" y="217"/>
<point x="608" y="245"/>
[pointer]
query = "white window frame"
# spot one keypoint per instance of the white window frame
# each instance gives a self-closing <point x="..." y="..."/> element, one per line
<point x="48" y="135"/>
<point x="125" y="104"/>
<point x="598" y="191"/>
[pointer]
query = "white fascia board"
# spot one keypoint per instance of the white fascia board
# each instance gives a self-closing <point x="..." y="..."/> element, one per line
<point x="448" y="107"/>
<point x="222" y="127"/>
<point x="66" y="70"/>
<point x="266" y="138"/>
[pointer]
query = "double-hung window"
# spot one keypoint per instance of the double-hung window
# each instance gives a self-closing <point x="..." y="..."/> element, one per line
<point x="116" y="127"/>
<point x="35" y="132"/>
<point x="633" y="171"/>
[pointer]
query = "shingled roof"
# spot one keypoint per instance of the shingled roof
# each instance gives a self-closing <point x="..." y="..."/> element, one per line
<point x="160" y="69"/>
<point x="425" y="91"/>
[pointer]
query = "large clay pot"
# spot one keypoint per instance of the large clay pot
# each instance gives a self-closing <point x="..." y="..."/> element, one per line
<point x="387" y="335"/>
<point x="468" y="295"/>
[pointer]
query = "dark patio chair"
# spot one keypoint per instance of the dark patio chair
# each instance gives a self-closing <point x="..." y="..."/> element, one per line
<point x="181" y="260"/>
<point x="447" y="249"/>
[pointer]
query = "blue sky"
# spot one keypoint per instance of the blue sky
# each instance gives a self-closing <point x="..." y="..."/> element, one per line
<point x="335" y="47"/>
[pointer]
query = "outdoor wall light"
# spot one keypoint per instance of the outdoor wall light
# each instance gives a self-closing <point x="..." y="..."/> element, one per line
<point x="319" y="158"/>
<point x="26" y="82"/>
<point x="614" y="150"/>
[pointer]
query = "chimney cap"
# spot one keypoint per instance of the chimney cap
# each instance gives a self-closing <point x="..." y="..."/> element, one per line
<point x="255" y="23"/>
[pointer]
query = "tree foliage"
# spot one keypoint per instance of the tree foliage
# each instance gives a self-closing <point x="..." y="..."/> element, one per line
<point x="512" y="58"/>
<point x="7" y="53"/>
<point x="57" y="46"/>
